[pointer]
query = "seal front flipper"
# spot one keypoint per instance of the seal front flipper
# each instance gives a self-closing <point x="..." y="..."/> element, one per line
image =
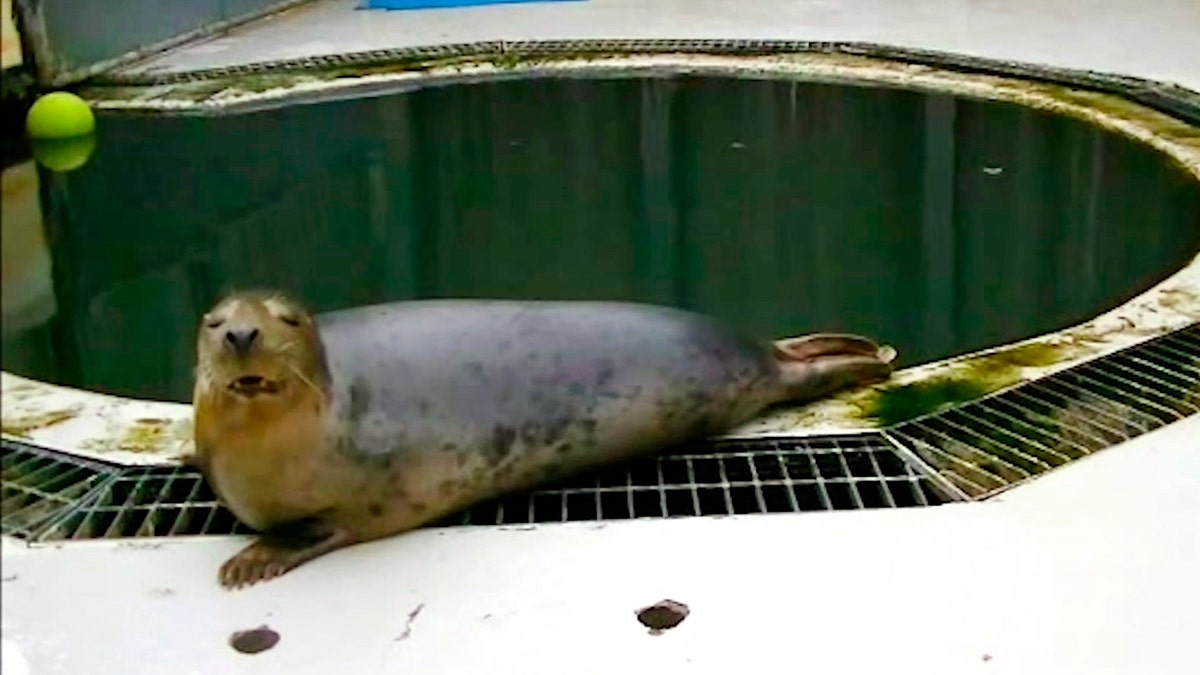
<point x="281" y="550"/>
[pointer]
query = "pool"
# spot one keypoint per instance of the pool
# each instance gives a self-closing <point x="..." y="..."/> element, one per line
<point x="939" y="223"/>
<point x="1029" y="248"/>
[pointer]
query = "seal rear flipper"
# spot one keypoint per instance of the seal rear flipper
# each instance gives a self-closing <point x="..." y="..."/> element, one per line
<point x="822" y="365"/>
<point x="809" y="347"/>
<point x="282" y="550"/>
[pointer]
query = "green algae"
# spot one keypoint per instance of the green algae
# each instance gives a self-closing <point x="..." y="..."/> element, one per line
<point x="973" y="378"/>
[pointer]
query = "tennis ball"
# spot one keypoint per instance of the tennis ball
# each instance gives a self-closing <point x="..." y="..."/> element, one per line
<point x="64" y="154"/>
<point x="59" y="115"/>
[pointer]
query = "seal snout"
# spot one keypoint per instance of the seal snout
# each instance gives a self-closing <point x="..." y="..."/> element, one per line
<point x="241" y="341"/>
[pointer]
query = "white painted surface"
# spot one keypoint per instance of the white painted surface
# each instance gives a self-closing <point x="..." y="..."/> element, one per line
<point x="1156" y="40"/>
<point x="1088" y="571"/>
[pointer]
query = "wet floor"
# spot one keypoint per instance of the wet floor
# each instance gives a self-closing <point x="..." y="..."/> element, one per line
<point x="937" y="224"/>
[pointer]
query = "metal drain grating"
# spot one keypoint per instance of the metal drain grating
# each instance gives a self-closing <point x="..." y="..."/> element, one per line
<point x="859" y="471"/>
<point x="148" y="502"/>
<point x="39" y="485"/>
<point x="998" y="441"/>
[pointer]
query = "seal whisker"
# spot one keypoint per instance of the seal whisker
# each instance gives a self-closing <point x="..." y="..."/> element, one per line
<point x="296" y="371"/>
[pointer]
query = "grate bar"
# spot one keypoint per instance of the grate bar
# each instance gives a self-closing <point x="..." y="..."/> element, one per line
<point x="1033" y="409"/>
<point x="1077" y="398"/>
<point x="997" y="408"/>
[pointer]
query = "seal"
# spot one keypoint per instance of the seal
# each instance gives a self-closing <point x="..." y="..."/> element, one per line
<point x="325" y="431"/>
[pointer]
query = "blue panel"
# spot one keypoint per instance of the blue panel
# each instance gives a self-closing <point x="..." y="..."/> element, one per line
<point x="434" y="4"/>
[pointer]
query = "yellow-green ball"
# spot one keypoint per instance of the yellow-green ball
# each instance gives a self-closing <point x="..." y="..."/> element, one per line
<point x="64" y="154"/>
<point x="59" y="115"/>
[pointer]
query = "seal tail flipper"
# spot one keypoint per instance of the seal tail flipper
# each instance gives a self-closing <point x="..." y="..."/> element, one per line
<point x="819" y="365"/>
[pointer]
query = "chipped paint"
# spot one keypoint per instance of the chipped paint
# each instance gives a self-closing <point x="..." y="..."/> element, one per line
<point x="100" y="426"/>
<point x="23" y="425"/>
<point x="143" y="436"/>
<point x="148" y="432"/>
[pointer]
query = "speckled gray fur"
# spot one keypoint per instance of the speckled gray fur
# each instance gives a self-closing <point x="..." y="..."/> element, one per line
<point x="524" y="391"/>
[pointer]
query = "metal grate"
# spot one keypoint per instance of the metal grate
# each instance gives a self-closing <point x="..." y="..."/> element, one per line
<point x="830" y="473"/>
<point x="148" y="502"/>
<point x="998" y="441"/>
<point x="39" y="485"/>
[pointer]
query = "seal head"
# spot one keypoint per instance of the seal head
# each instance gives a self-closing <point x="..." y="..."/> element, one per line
<point x="258" y="347"/>
<point x="260" y="402"/>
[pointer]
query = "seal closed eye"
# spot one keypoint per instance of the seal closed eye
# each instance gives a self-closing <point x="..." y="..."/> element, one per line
<point x="322" y="432"/>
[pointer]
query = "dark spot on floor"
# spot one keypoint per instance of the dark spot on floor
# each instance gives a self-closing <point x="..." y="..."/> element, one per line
<point x="424" y="406"/>
<point x="662" y="615"/>
<point x="375" y="510"/>
<point x="254" y="641"/>
<point x="576" y="389"/>
<point x="412" y="616"/>
<point x="475" y="368"/>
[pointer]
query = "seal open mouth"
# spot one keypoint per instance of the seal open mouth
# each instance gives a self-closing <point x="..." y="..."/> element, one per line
<point x="253" y="385"/>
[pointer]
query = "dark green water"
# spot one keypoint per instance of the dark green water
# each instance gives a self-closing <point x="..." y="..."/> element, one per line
<point x="936" y="224"/>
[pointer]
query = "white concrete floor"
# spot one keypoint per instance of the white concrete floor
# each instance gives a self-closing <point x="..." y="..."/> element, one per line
<point x="1090" y="571"/>
<point x="1157" y="40"/>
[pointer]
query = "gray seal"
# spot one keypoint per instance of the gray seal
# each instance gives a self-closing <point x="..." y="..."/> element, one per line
<point x="322" y="432"/>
